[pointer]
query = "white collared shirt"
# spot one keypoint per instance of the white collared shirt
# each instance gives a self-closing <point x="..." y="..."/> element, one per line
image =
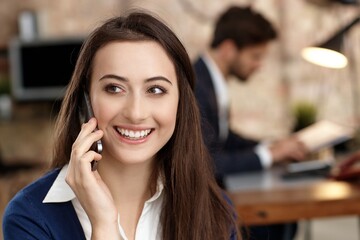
<point x="222" y="96"/>
<point x="148" y="226"/>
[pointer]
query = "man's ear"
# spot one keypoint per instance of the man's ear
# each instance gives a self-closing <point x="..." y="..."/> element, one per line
<point x="229" y="49"/>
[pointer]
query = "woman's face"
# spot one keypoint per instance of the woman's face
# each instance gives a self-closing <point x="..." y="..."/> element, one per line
<point x="134" y="94"/>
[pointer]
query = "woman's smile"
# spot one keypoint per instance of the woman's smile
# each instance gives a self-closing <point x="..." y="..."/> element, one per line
<point x="134" y="135"/>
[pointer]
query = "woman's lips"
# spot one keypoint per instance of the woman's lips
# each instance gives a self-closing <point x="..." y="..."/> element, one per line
<point x="134" y="135"/>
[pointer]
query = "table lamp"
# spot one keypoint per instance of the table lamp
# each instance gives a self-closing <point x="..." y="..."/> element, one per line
<point x="329" y="54"/>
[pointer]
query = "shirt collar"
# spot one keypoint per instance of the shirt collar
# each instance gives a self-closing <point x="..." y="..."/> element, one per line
<point x="159" y="190"/>
<point x="217" y="77"/>
<point x="60" y="191"/>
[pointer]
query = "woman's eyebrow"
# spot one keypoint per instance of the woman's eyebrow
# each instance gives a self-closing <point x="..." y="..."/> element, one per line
<point x="113" y="76"/>
<point x="156" y="78"/>
<point x="124" y="79"/>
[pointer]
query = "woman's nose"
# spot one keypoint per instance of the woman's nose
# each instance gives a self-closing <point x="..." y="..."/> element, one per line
<point x="135" y="108"/>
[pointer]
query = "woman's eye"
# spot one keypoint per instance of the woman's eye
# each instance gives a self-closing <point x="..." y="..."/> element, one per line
<point x="157" y="90"/>
<point x="113" y="89"/>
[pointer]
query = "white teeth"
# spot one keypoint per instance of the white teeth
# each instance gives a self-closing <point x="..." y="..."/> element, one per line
<point x="133" y="134"/>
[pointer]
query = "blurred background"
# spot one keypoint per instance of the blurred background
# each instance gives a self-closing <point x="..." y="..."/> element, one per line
<point x="285" y="83"/>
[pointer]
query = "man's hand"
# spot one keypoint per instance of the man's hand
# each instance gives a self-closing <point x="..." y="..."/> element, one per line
<point x="288" y="149"/>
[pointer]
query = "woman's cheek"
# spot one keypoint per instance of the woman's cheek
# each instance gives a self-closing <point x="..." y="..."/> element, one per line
<point x="104" y="111"/>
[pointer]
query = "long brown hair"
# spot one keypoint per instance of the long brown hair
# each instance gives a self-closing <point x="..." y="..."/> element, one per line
<point x="194" y="206"/>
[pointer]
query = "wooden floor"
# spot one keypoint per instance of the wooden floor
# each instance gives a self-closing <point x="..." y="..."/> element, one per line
<point x="12" y="182"/>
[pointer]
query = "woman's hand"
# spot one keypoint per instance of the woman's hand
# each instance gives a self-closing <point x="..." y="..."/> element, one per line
<point x="91" y="191"/>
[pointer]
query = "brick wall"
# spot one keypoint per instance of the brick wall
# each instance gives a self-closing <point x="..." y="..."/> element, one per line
<point x="261" y="108"/>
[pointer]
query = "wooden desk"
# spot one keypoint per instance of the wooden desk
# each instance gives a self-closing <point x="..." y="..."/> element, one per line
<point x="264" y="198"/>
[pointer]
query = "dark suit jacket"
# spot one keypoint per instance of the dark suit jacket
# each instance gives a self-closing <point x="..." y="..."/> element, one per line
<point x="233" y="155"/>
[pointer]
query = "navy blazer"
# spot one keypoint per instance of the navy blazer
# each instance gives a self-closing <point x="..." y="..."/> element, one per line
<point x="233" y="155"/>
<point x="26" y="217"/>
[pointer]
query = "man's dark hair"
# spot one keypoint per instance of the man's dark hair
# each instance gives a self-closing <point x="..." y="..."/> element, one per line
<point x="244" y="26"/>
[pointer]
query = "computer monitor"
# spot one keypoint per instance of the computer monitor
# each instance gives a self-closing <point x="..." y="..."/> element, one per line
<point x="41" y="69"/>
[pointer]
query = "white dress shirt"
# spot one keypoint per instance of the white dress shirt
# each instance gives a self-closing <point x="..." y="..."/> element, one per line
<point x="222" y="96"/>
<point x="148" y="226"/>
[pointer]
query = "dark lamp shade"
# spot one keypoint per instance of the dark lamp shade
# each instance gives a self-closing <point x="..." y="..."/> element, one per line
<point x="329" y="54"/>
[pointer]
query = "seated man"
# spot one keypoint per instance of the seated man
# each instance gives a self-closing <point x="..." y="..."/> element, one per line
<point x="240" y="41"/>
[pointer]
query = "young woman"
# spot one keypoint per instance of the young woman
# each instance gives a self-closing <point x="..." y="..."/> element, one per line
<point x="153" y="178"/>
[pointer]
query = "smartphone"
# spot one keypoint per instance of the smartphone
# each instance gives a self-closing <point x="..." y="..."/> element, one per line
<point x="87" y="113"/>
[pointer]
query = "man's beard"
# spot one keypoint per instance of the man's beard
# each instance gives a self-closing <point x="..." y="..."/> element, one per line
<point x="240" y="76"/>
